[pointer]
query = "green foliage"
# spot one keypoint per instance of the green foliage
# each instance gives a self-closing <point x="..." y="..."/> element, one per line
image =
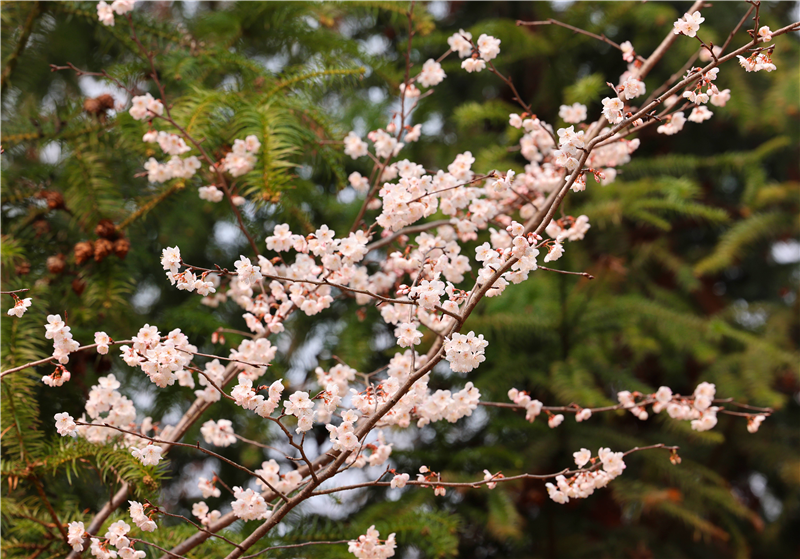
<point x="682" y="246"/>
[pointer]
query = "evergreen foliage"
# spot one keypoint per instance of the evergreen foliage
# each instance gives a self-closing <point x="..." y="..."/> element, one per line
<point x="685" y="248"/>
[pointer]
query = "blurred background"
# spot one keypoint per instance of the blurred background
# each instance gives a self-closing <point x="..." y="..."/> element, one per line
<point x="694" y="249"/>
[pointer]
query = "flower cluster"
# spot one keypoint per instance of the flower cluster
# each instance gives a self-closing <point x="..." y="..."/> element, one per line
<point x="369" y="546"/>
<point x="245" y="396"/>
<point x="201" y="512"/>
<point x="63" y="344"/>
<point x="75" y="534"/>
<point x="218" y="433"/>
<point x="149" y="455"/>
<point x="145" y="106"/>
<point x="105" y="12"/>
<point x="532" y="407"/>
<point x="162" y="361"/>
<point x="241" y="159"/>
<point x="249" y="505"/>
<point x="20" y="306"/>
<point x="270" y="471"/>
<point x="757" y="62"/>
<point x="688" y="25"/>
<point x="142" y="520"/>
<point x="465" y="353"/>
<point x="65" y="425"/>
<point x="57" y="377"/>
<point x="486" y="49"/>
<point x="431" y="74"/>
<point x="572" y="114"/>
<point x="583" y="484"/>
<point x="300" y="406"/>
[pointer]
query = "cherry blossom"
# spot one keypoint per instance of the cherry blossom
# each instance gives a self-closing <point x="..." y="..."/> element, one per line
<point x="689" y="24"/>
<point x="369" y="546"/>
<point x="149" y="455"/>
<point x="19" y="308"/>
<point x="65" y="425"/>
<point x="139" y="517"/>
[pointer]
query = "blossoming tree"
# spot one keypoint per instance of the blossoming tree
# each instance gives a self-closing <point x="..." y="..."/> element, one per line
<point x="427" y="247"/>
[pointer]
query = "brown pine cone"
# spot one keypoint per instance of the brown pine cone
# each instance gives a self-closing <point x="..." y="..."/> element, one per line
<point x="41" y="227"/>
<point x="56" y="264"/>
<point x="99" y="105"/>
<point x="106" y="229"/>
<point x="83" y="252"/>
<point x="121" y="247"/>
<point x="22" y="268"/>
<point x="78" y="285"/>
<point x="102" y="248"/>
<point x="55" y="200"/>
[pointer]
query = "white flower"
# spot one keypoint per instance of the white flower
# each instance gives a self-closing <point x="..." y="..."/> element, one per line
<point x="555" y="252"/>
<point x="121" y="7"/>
<point x="628" y="54"/>
<point x="140" y="518"/>
<point x="754" y="423"/>
<point x="75" y="535"/>
<point x="612" y="109"/>
<point x="102" y="340"/>
<point x="211" y="193"/>
<point x="407" y="334"/>
<point x="399" y="480"/>
<point x="149" y="455"/>
<point x="369" y="546"/>
<point x="700" y="114"/>
<point x="105" y="14"/>
<point x="688" y="25"/>
<point x="432" y="73"/>
<point x="65" y="425"/>
<point x="488" y="46"/>
<point x="572" y="114"/>
<point x="473" y="65"/>
<point x="766" y="34"/>
<point x="555" y="420"/>
<point x="354" y="146"/>
<point x="459" y="42"/>
<point x="582" y="457"/>
<point x="19" y="307"/>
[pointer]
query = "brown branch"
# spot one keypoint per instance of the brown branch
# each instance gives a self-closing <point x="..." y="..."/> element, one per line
<point x="551" y="21"/>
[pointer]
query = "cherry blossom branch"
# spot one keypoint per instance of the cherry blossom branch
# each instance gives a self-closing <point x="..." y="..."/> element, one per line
<point x="400" y="128"/>
<point x="185" y="445"/>
<point x="220" y="177"/>
<point x="293" y="546"/>
<point x="15" y="291"/>
<point x="575" y="408"/>
<point x="473" y="181"/>
<point x="584" y="274"/>
<point x="494" y="479"/>
<point x="223" y="358"/>
<point x="168" y="552"/>
<point x="323" y="282"/>
<point x="190" y="521"/>
<point x="407" y="231"/>
<point x="49" y="359"/>
<point x="258" y="444"/>
<point x="551" y="21"/>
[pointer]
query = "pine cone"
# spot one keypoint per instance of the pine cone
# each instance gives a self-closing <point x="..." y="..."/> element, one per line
<point x="99" y="105"/>
<point x="102" y="248"/>
<point x="121" y="247"/>
<point x="106" y="229"/>
<point x="55" y="200"/>
<point x="83" y="252"/>
<point x="78" y="285"/>
<point x="56" y="264"/>
<point x="22" y="268"/>
<point x="41" y="227"/>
